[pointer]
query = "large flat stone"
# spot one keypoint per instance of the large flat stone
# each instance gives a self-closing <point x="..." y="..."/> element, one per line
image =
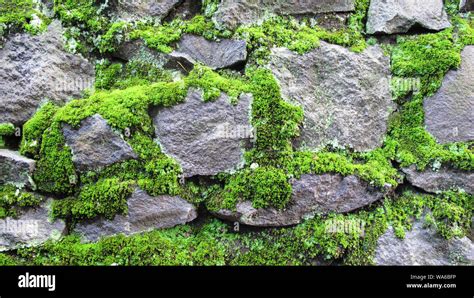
<point x="422" y="247"/>
<point x="36" y="68"/>
<point x="312" y="194"/>
<point x="33" y="227"/>
<point x="95" y="145"/>
<point x="449" y="113"/>
<point x="233" y="13"/>
<point x="345" y="96"/>
<point x="145" y="213"/>
<point x="139" y="9"/>
<point x="16" y="169"/>
<point x="441" y="180"/>
<point x="206" y="138"/>
<point x="399" y="16"/>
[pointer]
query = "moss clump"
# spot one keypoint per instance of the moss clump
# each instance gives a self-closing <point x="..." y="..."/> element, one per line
<point x="34" y="128"/>
<point x="11" y="199"/>
<point x="6" y="129"/>
<point x="55" y="172"/>
<point x="264" y="187"/>
<point x="134" y="73"/>
<point x="21" y="15"/>
<point x="106" y="197"/>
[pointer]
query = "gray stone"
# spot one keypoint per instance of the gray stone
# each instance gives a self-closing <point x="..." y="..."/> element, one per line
<point x="95" y="145"/>
<point x="422" y="247"/>
<point x="139" y="9"/>
<point x="440" y="180"/>
<point x="215" y="54"/>
<point x="466" y="5"/>
<point x="312" y="194"/>
<point x="35" y="69"/>
<point x="345" y="96"/>
<point x="206" y="138"/>
<point x="16" y="169"/>
<point x="32" y="227"/>
<point x="399" y="16"/>
<point x="144" y="213"/>
<point x="233" y="13"/>
<point x="449" y="113"/>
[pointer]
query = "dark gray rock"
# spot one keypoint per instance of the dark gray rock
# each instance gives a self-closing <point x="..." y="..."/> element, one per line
<point x="95" y="145"/>
<point x="345" y="96"/>
<point x="144" y="213"/>
<point x="466" y="5"/>
<point x="139" y="9"/>
<point x="35" y="69"/>
<point x="399" y="16"/>
<point x="215" y="54"/>
<point x="440" y="180"/>
<point x="16" y="169"/>
<point x="449" y="113"/>
<point x="233" y="13"/>
<point x="422" y="246"/>
<point x="312" y="194"/>
<point x="206" y="138"/>
<point x="32" y="227"/>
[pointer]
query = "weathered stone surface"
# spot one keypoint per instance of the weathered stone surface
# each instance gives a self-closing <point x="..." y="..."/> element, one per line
<point x="466" y="5"/>
<point x="206" y="138"/>
<point x="95" y="145"/>
<point x="35" y="69"/>
<point x="16" y="169"/>
<point x="215" y="54"/>
<point x="399" y="16"/>
<point x="138" y="9"/>
<point x="441" y="180"/>
<point x="345" y="96"/>
<point x="312" y="194"/>
<point x="449" y="113"/>
<point x="232" y="13"/>
<point x="144" y="213"/>
<point x="32" y="227"/>
<point x="423" y="247"/>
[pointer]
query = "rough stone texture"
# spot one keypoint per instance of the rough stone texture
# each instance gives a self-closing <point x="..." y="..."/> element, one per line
<point x="441" y="180"/>
<point x="144" y="213"/>
<point x="16" y="169"/>
<point x="423" y="247"/>
<point x="232" y="13"/>
<point x="312" y="194"/>
<point x="345" y="96"/>
<point x="206" y="138"/>
<point x="94" y="145"/>
<point x="221" y="54"/>
<point x="399" y="16"/>
<point x="35" y="69"/>
<point x="466" y="5"/>
<point x="449" y="113"/>
<point x="32" y="227"/>
<point x="138" y="9"/>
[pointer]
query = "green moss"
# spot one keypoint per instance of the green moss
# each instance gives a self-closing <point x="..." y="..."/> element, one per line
<point x="7" y="129"/>
<point x="264" y="187"/>
<point x="34" y="128"/>
<point x="11" y="199"/>
<point x="106" y="197"/>
<point x="7" y="260"/>
<point x="21" y="15"/>
<point x="55" y="172"/>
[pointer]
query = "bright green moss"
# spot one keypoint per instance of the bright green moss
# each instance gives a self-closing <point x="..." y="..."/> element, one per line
<point x="7" y="129"/>
<point x="55" y="172"/>
<point x="11" y="199"/>
<point x="7" y="260"/>
<point x="34" y="128"/>
<point x="106" y="197"/>
<point x="21" y="15"/>
<point x="264" y="187"/>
